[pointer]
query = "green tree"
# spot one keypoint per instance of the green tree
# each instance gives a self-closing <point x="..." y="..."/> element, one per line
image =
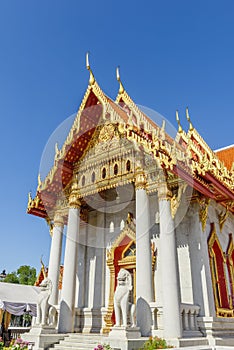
<point x="11" y="278"/>
<point x="24" y="275"/>
<point x="27" y="275"/>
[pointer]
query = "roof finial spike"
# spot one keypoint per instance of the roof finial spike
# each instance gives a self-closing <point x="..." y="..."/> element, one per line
<point x="56" y="148"/>
<point x="29" y="196"/>
<point x="91" y="77"/>
<point x="189" y="120"/>
<point x="162" y="130"/>
<point x="121" y="88"/>
<point x="178" y="121"/>
<point x="39" y="181"/>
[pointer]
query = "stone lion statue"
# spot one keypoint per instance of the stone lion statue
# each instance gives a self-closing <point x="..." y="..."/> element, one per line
<point x="46" y="313"/>
<point x="123" y="308"/>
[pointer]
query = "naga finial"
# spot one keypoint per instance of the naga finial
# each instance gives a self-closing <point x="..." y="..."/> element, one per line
<point x="162" y="130"/>
<point x="189" y="120"/>
<point x="121" y="88"/>
<point x="29" y="198"/>
<point x="91" y="77"/>
<point x="178" y="122"/>
<point x="56" y="149"/>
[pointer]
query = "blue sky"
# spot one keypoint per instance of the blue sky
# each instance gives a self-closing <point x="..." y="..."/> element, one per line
<point x="172" y="54"/>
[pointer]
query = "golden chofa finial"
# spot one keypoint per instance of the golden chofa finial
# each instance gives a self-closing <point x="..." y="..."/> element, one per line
<point x="189" y="120"/>
<point x="121" y="88"/>
<point x="91" y="77"/>
<point x="56" y="149"/>
<point x="162" y="130"/>
<point x="178" y="122"/>
<point x="39" y="181"/>
<point x="29" y="198"/>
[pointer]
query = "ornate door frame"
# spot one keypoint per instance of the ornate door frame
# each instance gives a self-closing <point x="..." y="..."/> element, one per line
<point x="122" y="255"/>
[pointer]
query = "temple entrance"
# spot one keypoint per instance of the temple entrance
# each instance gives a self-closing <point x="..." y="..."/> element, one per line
<point x="128" y="262"/>
<point x="121" y="255"/>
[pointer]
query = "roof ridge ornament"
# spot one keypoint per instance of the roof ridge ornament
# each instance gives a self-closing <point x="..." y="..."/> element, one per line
<point x="180" y="130"/>
<point x="189" y="120"/>
<point x="91" y="77"/>
<point x="121" y="87"/>
<point x="39" y="182"/>
<point x="162" y="130"/>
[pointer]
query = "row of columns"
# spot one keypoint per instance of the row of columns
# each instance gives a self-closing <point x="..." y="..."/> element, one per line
<point x="169" y="262"/>
<point x="144" y="284"/>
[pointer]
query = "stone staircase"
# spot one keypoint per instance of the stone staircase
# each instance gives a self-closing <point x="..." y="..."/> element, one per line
<point x="77" y="341"/>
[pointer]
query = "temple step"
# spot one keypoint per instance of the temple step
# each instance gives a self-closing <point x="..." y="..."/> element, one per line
<point x="77" y="341"/>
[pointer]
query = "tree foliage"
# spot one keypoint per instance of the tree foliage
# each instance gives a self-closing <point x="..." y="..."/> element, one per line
<point x="11" y="278"/>
<point x="24" y="275"/>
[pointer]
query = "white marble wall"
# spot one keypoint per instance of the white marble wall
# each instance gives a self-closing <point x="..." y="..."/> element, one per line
<point x="93" y="278"/>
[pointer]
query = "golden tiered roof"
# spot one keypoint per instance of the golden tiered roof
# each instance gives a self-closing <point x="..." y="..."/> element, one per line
<point x="187" y="157"/>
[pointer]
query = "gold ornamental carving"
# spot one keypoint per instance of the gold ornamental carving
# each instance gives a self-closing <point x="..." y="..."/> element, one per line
<point x="203" y="212"/>
<point x="107" y="133"/>
<point x="58" y="220"/>
<point x="74" y="201"/>
<point x="50" y="224"/>
<point x="140" y="181"/>
<point x="176" y="199"/>
<point x="222" y="218"/>
<point x="164" y="193"/>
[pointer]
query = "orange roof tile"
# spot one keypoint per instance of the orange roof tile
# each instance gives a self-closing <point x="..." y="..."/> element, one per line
<point x="226" y="155"/>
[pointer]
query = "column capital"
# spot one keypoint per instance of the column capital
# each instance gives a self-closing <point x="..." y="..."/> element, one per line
<point x="164" y="192"/>
<point x="58" y="220"/>
<point x="140" y="180"/>
<point x="74" y="201"/>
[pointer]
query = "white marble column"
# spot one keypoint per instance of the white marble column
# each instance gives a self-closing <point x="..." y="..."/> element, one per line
<point x="200" y="266"/>
<point x="143" y="257"/>
<point x="67" y="304"/>
<point x="55" y="256"/>
<point x="169" y="267"/>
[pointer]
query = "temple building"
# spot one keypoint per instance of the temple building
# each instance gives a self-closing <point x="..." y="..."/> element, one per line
<point x="124" y="193"/>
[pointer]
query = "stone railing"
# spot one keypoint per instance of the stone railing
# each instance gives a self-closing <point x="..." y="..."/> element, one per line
<point x="189" y="314"/>
<point x="16" y="332"/>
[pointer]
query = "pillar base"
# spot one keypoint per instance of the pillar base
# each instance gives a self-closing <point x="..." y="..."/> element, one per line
<point x="125" y="338"/>
<point x="43" y="337"/>
<point x="121" y="332"/>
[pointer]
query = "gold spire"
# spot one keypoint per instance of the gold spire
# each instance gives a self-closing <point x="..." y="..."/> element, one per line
<point x="121" y="88"/>
<point x="189" y="120"/>
<point x="91" y="77"/>
<point x="178" y="122"/>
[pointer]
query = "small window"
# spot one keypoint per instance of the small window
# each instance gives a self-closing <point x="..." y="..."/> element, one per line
<point x="116" y="169"/>
<point x="128" y="165"/>
<point x="122" y="225"/>
<point x="104" y="173"/>
<point x="93" y="177"/>
<point x="83" y="181"/>
<point x="112" y="227"/>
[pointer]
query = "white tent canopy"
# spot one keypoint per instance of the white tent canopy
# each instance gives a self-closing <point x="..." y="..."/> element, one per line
<point x="18" y="298"/>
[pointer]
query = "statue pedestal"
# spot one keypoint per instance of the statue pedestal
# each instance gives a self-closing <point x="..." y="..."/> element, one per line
<point x="122" y="332"/>
<point x="125" y="338"/>
<point x="42" y="336"/>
